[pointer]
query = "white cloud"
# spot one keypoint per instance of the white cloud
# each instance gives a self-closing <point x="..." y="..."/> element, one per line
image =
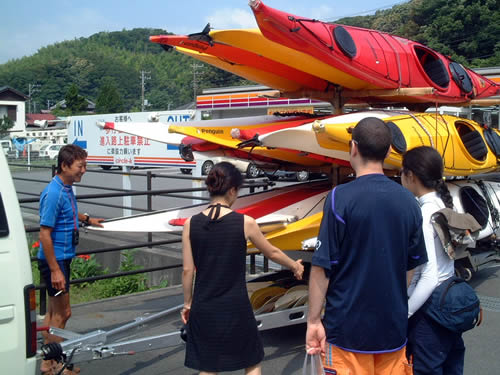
<point x="321" y="12"/>
<point x="230" y="18"/>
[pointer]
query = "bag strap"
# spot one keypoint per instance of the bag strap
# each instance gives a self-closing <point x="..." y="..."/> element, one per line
<point x="340" y="234"/>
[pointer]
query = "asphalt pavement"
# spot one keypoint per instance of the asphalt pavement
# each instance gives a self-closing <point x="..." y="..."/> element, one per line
<point x="284" y="347"/>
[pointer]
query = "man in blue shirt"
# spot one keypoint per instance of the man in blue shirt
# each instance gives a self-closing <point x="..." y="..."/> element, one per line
<point x="370" y="238"/>
<point x="59" y="223"/>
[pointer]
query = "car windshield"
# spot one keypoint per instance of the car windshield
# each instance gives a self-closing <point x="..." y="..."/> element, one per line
<point x="43" y="148"/>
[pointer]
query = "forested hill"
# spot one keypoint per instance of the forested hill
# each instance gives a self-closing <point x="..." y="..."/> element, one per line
<point x="467" y="30"/>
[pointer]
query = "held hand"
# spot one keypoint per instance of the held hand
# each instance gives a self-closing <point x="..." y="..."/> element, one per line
<point x="315" y="338"/>
<point x="298" y="269"/>
<point x="96" y="222"/>
<point x="58" y="280"/>
<point x="185" y="314"/>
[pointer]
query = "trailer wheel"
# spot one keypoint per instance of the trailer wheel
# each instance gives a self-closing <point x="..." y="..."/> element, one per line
<point x="105" y="167"/>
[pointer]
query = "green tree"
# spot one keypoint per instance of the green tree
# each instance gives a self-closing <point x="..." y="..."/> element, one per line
<point x="5" y="124"/>
<point x="109" y="99"/>
<point x="75" y="103"/>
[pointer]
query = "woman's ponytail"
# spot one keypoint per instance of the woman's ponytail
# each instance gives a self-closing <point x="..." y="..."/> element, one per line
<point x="444" y="193"/>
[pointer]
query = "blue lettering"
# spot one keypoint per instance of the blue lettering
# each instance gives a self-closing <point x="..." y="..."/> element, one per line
<point x="78" y="128"/>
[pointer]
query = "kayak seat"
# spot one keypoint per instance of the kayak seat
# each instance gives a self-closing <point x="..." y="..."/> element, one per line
<point x="493" y="141"/>
<point x="461" y="77"/>
<point x="474" y="204"/>
<point x="398" y="139"/>
<point x="437" y="73"/>
<point x="475" y="145"/>
<point x="345" y="41"/>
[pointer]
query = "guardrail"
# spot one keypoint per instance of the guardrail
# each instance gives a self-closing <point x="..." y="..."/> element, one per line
<point x="252" y="185"/>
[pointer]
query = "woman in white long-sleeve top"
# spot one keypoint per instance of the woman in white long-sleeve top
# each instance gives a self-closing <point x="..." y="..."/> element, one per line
<point x="433" y="348"/>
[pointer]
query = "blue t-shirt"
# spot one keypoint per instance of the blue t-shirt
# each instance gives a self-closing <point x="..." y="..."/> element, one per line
<point x="366" y="244"/>
<point x="59" y="210"/>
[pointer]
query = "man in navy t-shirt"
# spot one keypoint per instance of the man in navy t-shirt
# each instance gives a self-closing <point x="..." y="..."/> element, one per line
<point x="369" y="241"/>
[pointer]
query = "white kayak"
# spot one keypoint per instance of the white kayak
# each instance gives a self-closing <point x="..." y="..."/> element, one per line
<point x="158" y="131"/>
<point x="271" y="209"/>
<point x="477" y="197"/>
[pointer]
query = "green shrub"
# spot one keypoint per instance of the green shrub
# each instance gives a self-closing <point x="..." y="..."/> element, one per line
<point x="118" y="286"/>
<point x="84" y="266"/>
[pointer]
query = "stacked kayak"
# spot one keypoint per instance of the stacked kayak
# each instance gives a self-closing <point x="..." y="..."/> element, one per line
<point x="285" y="212"/>
<point x="381" y="60"/>
<point x="215" y="135"/>
<point x="298" y="55"/>
<point x="466" y="147"/>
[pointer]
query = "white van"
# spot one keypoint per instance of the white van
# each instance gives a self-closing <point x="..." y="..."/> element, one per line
<point x="17" y="292"/>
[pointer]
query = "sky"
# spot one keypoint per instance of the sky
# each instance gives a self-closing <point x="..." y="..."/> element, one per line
<point x="29" y="25"/>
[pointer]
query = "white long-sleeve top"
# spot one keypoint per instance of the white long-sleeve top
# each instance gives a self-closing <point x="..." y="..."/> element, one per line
<point x="439" y="266"/>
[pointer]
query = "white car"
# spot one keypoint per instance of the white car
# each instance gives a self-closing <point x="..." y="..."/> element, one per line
<point x="50" y="151"/>
<point x="250" y="168"/>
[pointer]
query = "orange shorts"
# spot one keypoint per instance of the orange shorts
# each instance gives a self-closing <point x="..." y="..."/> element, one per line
<point x="342" y="362"/>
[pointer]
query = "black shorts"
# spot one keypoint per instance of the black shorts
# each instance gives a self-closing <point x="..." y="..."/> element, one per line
<point x="43" y="266"/>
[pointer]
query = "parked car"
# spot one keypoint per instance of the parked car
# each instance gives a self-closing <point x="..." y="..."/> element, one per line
<point x="300" y="176"/>
<point x="247" y="167"/>
<point x="208" y="159"/>
<point x="50" y="151"/>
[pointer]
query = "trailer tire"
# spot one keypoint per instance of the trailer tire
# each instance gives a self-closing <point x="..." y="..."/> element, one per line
<point x="105" y="167"/>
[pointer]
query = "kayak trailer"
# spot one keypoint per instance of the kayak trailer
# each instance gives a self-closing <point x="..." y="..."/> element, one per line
<point x="101" y="344"/>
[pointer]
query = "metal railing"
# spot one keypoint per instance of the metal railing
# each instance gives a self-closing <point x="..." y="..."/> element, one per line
<point x="252" y="185"/>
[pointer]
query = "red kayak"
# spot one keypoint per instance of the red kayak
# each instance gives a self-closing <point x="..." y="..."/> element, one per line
<point x="381" y="60"/>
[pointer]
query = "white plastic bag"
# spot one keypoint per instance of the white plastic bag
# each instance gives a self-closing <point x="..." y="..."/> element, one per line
<point x="314" y="366"/>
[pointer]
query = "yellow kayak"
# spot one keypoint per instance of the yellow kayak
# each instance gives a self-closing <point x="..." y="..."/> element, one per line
<point x="252" y="40"/>
<point x="221" y="135"/>
<point x="252" y="74"/>
<point x="291" y="236"/>
<point x="466" y="147"/>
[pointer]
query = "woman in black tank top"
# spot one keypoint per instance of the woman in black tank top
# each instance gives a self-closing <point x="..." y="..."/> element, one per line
<point x="222" y="332"/>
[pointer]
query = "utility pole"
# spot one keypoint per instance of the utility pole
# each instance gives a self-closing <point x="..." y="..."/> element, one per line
<point x="195" y="79"/>
<point x="48" y="104"/>
<point x="32" y="88"/>
<point x="144" y="77"/>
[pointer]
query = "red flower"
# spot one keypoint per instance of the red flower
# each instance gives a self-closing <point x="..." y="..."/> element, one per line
<point x="35" y="244"/>
<point x="84" y="257"/>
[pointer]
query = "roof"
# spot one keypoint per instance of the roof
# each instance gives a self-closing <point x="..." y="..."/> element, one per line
<point x="62" y="104"/>
<point x="6" y="90"/>
<point x="32" y="117"/>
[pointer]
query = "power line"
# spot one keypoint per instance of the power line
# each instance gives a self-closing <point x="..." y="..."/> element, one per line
<point x="144" y="77"/>
<point x="195" y="68"/>
<point x="32" y="88"/>
<point x="382" y="7"/>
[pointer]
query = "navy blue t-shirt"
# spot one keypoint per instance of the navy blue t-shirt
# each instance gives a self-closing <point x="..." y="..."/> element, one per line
<point x="368" y="239"/>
